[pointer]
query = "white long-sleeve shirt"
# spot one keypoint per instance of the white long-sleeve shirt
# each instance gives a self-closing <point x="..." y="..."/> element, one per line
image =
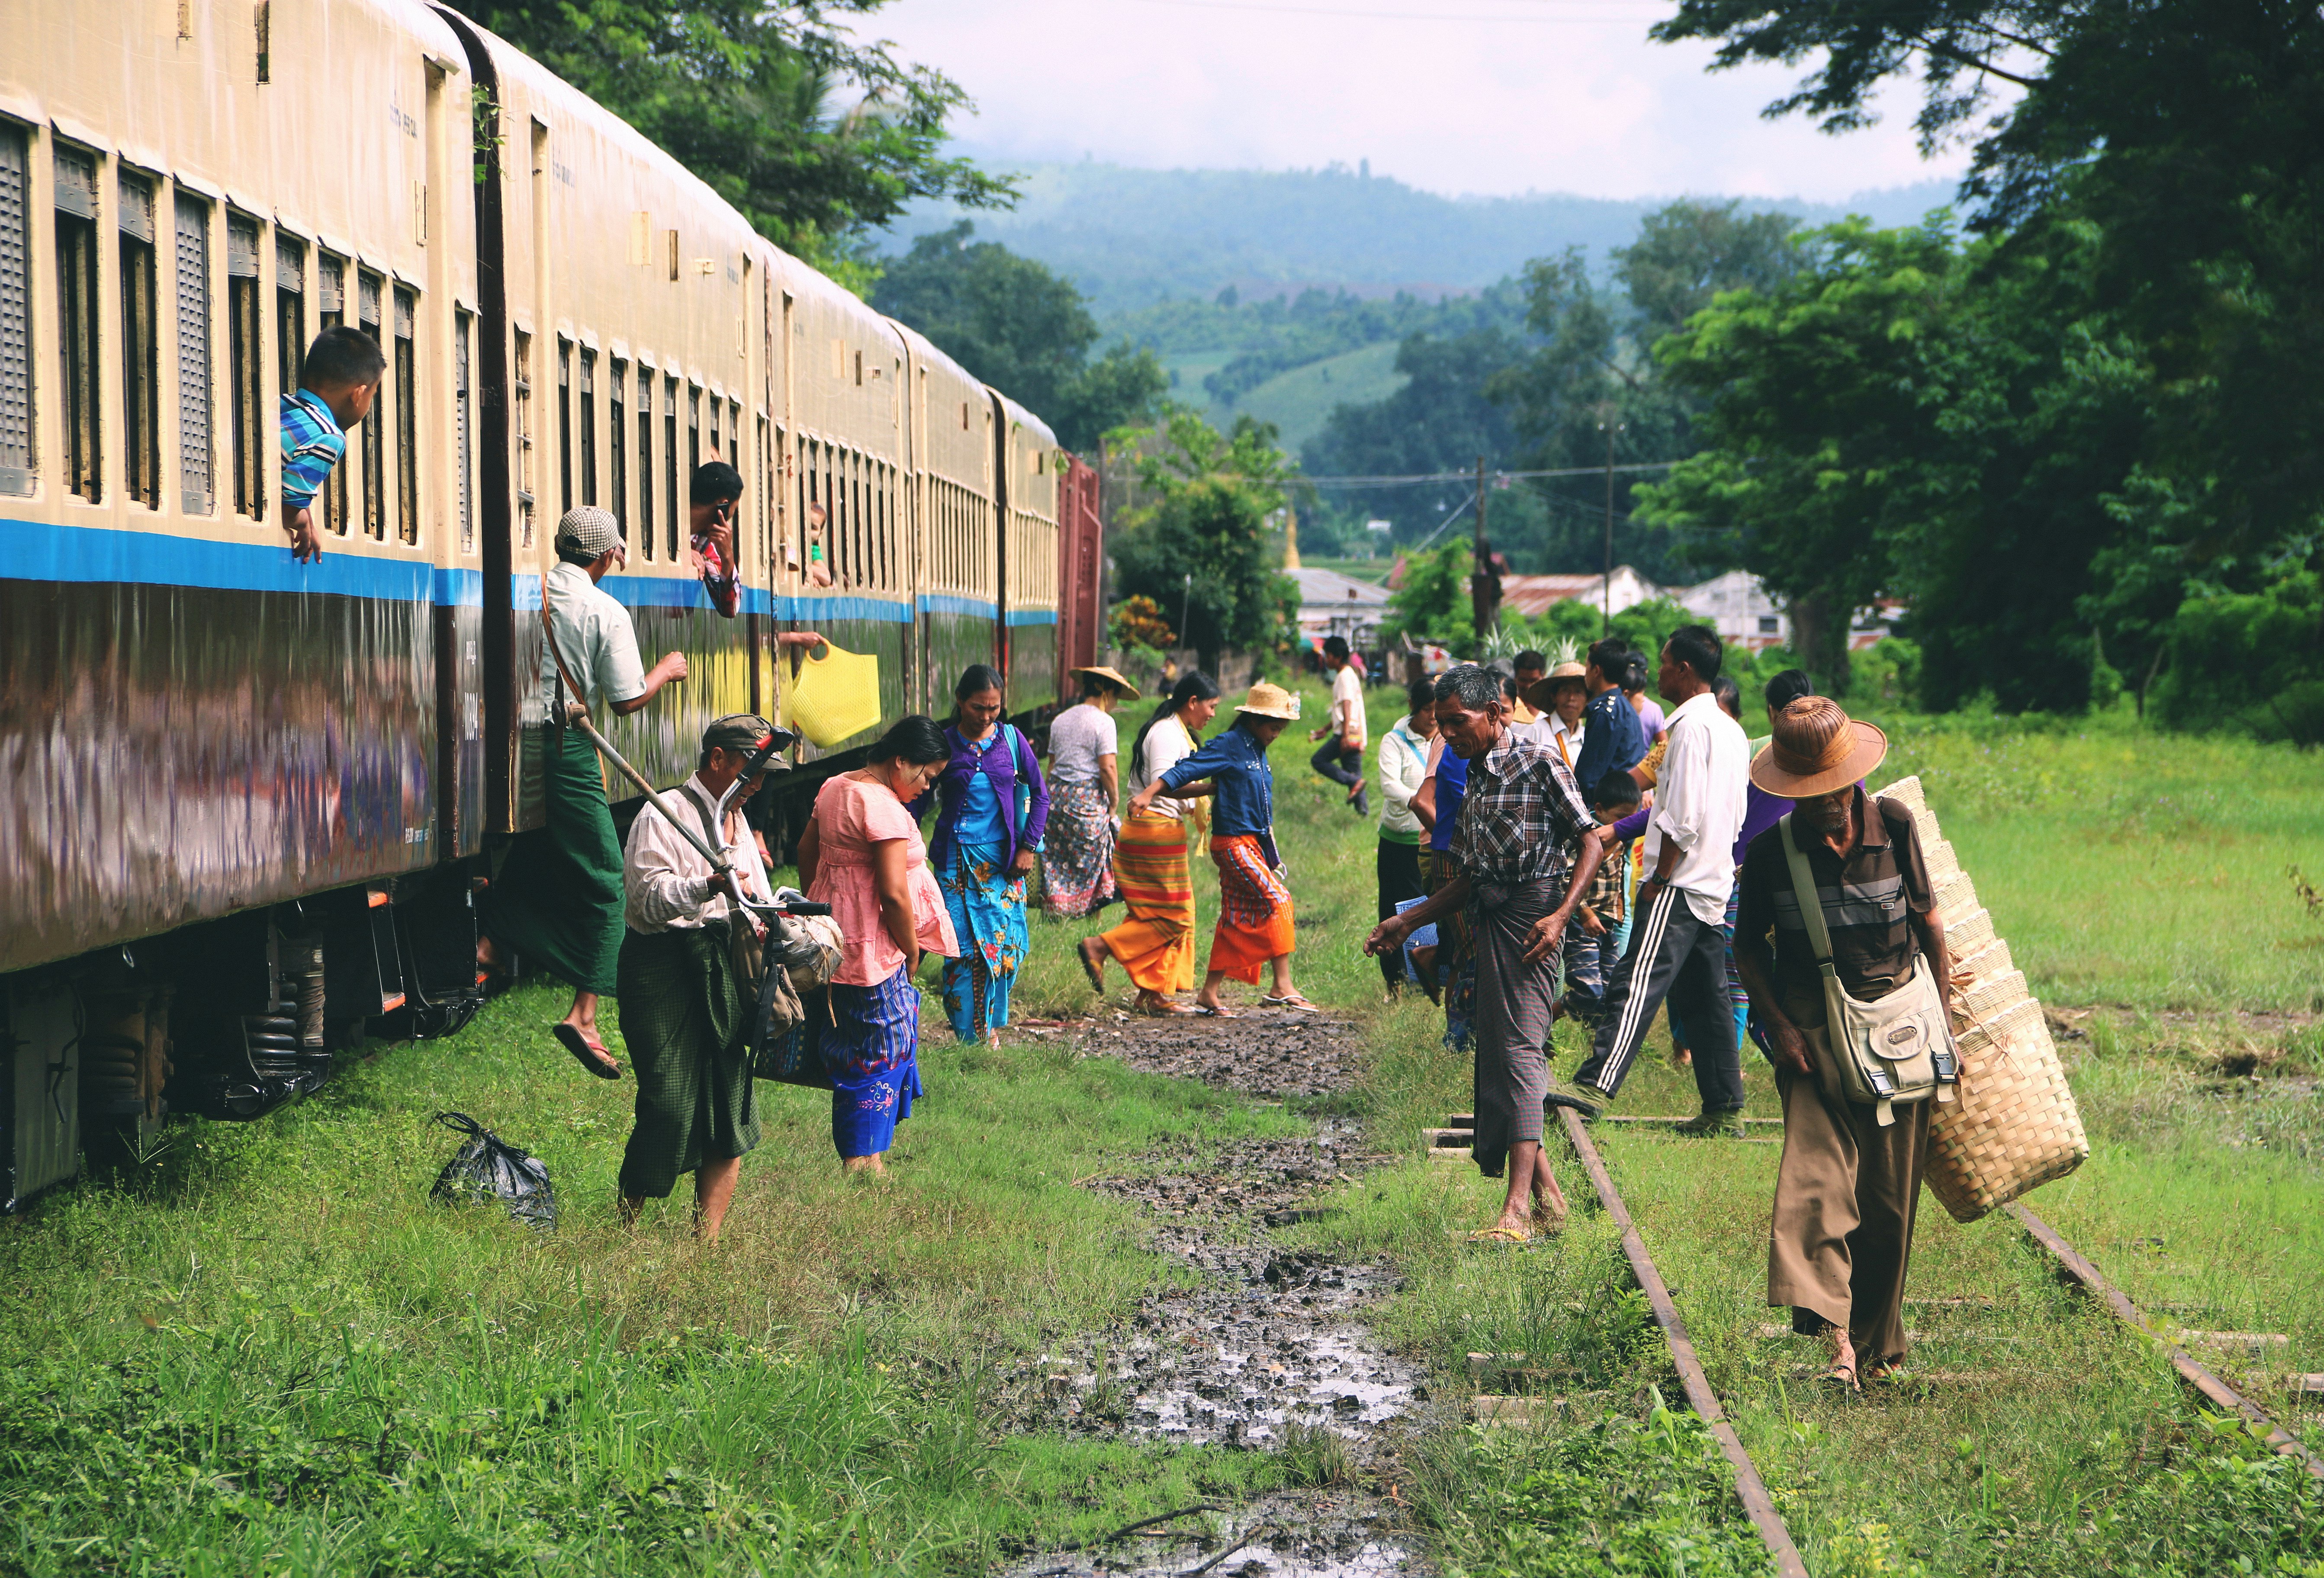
<point x="666" y="884"/>
<point x="1403" y="769"/>
<point x="1699" y="802"/>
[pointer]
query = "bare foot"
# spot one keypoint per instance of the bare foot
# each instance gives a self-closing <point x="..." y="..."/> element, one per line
<point x="1094" y="956"/>
<point x="867" y="1166"/>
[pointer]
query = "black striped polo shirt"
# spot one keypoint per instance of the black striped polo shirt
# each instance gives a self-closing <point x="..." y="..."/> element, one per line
<point x="1866" y="900"/>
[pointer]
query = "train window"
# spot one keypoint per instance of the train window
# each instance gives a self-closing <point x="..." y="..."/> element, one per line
<point x="368" y="435"/>
<point x="15" y="311"/>
<point x="564" y="424"/>
<point x="462" y="415"/>
<point x="140" y="350"/>
<point x="245" y="344"/>
<point x="289" y="311"/>
<point x="588" y="426"/>
<point x="77" y="320"/>
<point x="670" y="460"/>
<point x="192" y="260"/>
<point x="406" y="415"/>
<point x="330" y="313"/>
<point x="617" y="441"/>
<point x="716" y="407"/>
<point x="693" y="431"/>
<point x="859" y="370"/>
<point x="645" y="460"/>
<point x="769" y="500"/>
<point x="734" y="434"/>
<point x="524" y="479"/>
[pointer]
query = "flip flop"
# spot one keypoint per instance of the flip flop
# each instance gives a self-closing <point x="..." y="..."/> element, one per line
<point x="1165" y="1011"/>
<point x="1207" y="1012"/>
<point x="1294" y="1002"/>
<point x="1500" y="1235"/>
<point x="586" y="1050"/>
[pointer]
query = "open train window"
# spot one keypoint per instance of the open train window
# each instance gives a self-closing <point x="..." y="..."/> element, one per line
<point x="246" y="345"/>
<point x="617" y="445"/>
<point x="564" y="424"/>
<point x="141" y="348"/>
<point x="693" y="431"/>
<point x="715" y="452"/>
<point x="196" y="487"/>
<point x="734" y="434"/>
<point x="16" y="473"/>
<point x="406" y="415"/>
<point x="76" y="321"/>
<point x="670" y="462"/>
<point x="525" y="478"/>
<point x="588" y="426"/>
<point x="368" y="433"/>
<point x="289" y="309"/>
<point x="645" y="460"/>
<point x="463" y="331"/>
<point x="331" y="313"/>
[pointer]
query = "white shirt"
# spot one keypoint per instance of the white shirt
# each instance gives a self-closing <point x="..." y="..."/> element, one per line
<point x="666" y="884"/>
<point x="1079" y="736"/>
<point x="594" y="634"/>
<point x="1167" y="743"/>
<point x="1403" y="769"/>
<point x="1347" y="715"/>
<point x="1541" y="730"/>
<point x="1566" y="742"/>
<point x="1699" y="802"/>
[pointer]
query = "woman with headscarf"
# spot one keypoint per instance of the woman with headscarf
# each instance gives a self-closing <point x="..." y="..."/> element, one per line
<point x="862" y="855"/>
<point x="992" y="810"/>
<point x="1155" y="944"/>
<point x="1078" y="861"/>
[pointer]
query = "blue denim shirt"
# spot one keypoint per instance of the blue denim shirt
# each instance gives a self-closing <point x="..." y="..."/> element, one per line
<point x="1237" y="763"/>
<point x="1613" y="741"/>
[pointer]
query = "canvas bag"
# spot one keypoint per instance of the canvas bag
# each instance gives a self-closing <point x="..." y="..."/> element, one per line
<point x="1899" y="1049"/>
<point x="750" y="953"/>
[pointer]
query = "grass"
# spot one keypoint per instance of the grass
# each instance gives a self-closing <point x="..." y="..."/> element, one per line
<point x="264" y="1351"/>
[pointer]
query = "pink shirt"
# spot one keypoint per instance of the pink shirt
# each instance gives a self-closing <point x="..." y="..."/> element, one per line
<point x="850" y="817"/>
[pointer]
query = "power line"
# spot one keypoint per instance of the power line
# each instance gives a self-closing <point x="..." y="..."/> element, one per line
<point x="1647" y="16"/>
<point x="1420" y="478"/>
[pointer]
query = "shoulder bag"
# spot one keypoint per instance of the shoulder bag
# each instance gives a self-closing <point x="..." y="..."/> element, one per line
<point x="1896" y="1049"/>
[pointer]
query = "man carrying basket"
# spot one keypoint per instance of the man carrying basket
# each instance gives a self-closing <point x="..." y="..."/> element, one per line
<point x="1856" y="1123"/>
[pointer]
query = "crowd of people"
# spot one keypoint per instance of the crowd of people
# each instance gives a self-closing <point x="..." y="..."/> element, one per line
<point x="1551" y="844"/>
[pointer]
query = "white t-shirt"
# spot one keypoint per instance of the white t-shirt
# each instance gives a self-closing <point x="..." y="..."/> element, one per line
<point x="1698" y="805"/>
<point x="1077" y="738"/>
<point x="1347" y="704"/>
<point x="595" y="633"/>
<point x="1167" y="743"/>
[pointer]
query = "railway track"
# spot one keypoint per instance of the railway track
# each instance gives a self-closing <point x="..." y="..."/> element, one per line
<point x="2073" y="1266"/>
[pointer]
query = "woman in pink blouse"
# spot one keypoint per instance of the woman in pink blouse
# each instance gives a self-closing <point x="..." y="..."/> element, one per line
<point x="862" y="855"/>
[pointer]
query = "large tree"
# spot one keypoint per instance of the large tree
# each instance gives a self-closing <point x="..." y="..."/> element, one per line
<point x="1016" y="326"/>
<point x="816" y="136"/>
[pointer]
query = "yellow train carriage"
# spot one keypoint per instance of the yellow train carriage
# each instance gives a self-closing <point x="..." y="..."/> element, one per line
<point x="957" y="607"/>
<point x="1027" y="460"/>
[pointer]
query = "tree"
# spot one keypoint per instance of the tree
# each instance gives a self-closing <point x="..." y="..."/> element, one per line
<point x="1433" y="604"/>
<point x="1014" y="324"/>
<point x="745" y="94"/>
<point x="2251" y="660"/>
<point x="1195" y="534"/>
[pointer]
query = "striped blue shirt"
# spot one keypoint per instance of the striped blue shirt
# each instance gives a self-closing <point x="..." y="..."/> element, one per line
<point x="312" y="444"/>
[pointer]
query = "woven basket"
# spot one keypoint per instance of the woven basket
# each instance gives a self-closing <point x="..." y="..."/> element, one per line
<point x="2013" y="1124"/>
<point x="834" y="697"/>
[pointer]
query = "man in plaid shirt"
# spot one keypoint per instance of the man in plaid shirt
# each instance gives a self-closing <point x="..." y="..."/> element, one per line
<point x="1525" y="863"/>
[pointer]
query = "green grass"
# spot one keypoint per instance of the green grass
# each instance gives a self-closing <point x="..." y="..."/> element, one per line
<point x="265" y="1351"/>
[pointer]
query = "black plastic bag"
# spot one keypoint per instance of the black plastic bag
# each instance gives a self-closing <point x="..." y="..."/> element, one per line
<point x="487" y="1168"/>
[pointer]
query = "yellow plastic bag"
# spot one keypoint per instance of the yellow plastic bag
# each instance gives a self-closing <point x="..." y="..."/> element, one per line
<point x="834" y="697"/>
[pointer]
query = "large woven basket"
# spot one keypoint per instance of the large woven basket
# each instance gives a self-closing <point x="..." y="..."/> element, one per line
<point x="2014" y="1124"/>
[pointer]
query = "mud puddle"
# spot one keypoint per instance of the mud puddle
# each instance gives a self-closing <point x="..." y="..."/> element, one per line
<point x="1268" y="1350"/>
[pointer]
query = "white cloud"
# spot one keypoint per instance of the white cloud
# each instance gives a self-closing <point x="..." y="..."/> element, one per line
<point x="1551" y="96"/>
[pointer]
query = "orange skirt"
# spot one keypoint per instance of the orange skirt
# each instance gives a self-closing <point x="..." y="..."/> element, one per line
<point x="1254" y="909"/>
<point x="1155" y="944"/>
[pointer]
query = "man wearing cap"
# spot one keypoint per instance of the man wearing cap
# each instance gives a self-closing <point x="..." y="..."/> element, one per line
<point x="684" y="1007"/>
<point x="1846" y="1187"/>
<point x="556" y="900"/>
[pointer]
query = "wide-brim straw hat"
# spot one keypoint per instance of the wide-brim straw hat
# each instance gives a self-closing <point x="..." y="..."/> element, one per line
<point x="1538" y="694"/>
<point x="1816" y="749"/>
<point x="1128" y="691"/>
<point x="1266" y="701"/>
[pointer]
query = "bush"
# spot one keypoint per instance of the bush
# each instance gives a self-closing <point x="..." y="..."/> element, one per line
<point x="2253" y="662"/>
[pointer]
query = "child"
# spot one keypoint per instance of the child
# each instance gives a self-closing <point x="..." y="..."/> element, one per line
<point x="338" y="382"/>
<point x="1601" y="921"/>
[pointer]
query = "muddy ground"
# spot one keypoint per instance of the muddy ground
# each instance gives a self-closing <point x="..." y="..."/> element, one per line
<point x="1267" y="1348"/>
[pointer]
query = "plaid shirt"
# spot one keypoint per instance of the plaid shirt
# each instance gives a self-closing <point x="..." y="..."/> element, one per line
<point x="1609" y="890"/>
<point x="1522" y="818"/>
<point x="312" y="444"/>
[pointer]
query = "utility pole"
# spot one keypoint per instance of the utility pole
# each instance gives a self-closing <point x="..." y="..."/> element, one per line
<point x="1484" y="586"/>
<point x="1609" y="428"/>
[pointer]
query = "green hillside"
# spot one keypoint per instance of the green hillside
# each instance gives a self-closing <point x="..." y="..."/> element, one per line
<point x="1298" y="401"/>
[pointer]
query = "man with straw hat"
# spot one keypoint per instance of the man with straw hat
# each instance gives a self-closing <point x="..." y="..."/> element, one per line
<point x="1085" y="777"/>
<point x="1847" y="1186"/>
<point x="1255" y="922"/>
<point x="557" y="900"/>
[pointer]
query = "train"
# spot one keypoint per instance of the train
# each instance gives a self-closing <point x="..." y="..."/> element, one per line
<point x="252" y="800"/>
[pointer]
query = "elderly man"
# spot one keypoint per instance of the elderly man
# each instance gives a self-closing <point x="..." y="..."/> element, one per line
<point x="1678" y="942"/>
<point x="685" y="1008"/>
<point x="1846" y="1189"/>
<point x="1524" y="864"/>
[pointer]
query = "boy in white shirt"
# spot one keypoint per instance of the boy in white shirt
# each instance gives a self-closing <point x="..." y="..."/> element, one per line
<point x="1341" y="758"/>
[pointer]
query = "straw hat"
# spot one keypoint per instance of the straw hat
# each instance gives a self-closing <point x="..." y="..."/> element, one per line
<point x="1815" y="749"/>
<point x="1537" y="694"/>
<point x="1128" y="691"/>
<point x="1266" y="701"/>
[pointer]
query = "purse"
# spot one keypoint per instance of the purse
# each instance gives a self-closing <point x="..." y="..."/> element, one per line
<point x="1898" y="1049"/>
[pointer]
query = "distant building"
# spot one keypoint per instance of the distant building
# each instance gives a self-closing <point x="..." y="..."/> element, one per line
<point x="1871" y="624"/>
<point x="1737" y="606"/>
<point x="1333" y="604"/>
<point x="1531" y="595"/>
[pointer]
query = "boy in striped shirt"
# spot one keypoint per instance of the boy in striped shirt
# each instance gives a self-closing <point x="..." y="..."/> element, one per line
<point x="338" y="382"/>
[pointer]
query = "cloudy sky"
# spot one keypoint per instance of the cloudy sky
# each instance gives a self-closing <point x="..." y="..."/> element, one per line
<point x="1485" y="97"/>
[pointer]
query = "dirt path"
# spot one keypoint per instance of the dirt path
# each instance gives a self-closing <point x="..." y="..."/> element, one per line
<point x="1267" y="1349"/>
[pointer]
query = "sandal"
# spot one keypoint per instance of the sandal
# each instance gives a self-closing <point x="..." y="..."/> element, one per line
<point x="587" y="1051"/>
<point x="1842" y="1373"/>
<point x="1163" y="1010"/>
<point x="1207" y="1012"/>
<point x="1295" y="1002"/>
<point x="1511" y="1235"/>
